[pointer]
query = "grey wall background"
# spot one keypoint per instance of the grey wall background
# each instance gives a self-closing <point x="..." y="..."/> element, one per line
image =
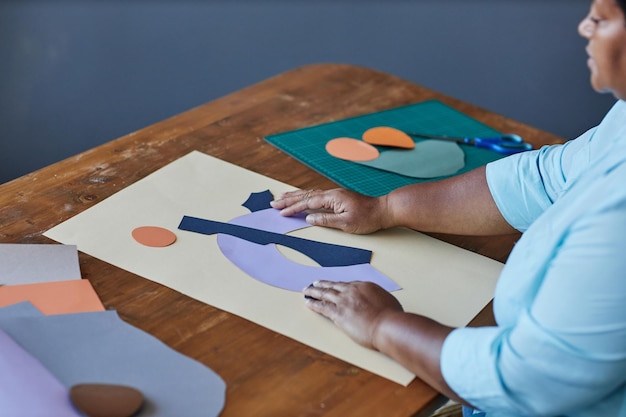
<point x="74" y="74"/>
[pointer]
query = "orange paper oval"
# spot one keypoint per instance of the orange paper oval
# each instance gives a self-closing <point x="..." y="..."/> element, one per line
<point x="351" y="149"/>
<point x="153" y="236"/>
<point x="388" y="136"/>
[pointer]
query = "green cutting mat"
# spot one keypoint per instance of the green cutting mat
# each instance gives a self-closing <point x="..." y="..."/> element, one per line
<point x="308" y="145"/>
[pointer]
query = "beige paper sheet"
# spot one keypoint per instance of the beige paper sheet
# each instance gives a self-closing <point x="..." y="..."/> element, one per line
<point x="439" y="280"/>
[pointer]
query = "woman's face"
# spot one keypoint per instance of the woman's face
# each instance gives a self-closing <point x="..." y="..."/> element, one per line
<point x="605" y="28"/>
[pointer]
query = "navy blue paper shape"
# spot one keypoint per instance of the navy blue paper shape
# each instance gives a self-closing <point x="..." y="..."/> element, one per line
<point x="325" y="254"/>
<point x="259" y="201"/>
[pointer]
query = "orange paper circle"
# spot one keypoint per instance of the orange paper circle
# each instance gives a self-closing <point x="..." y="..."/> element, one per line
<point x="153" y="236"/>
<point x="351" y="149"/>
<point x="388" y="136"/>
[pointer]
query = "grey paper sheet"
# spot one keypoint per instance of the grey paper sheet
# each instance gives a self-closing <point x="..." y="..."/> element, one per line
<point x="101" y="348"/>
<point x="31" y="263"/>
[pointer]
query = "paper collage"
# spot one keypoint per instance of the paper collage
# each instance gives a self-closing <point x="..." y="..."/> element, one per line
<point x="308" y="144"/>
<point x="48" y="276"/>
<point x="101" y="348"/>
<point x="251" y="242"/>
<point x="400" y="154"/>
<point x="55" y="333"/>
<point x="439" y="280"/>
<point x="29" y="389"/>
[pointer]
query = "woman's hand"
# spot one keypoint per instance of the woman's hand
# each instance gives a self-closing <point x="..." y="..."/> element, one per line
<point x="375" y="319"/>
<point x="357" y="308"/>
<point x="338" y="208"/>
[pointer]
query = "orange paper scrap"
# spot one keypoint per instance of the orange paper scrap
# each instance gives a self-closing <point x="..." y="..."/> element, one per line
<point x="351" y="149"/>
<point x="57" y="297"/>
<point x="388" y="136"/>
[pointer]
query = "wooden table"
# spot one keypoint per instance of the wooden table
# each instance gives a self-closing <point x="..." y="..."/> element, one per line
<point x="267" y="374"/>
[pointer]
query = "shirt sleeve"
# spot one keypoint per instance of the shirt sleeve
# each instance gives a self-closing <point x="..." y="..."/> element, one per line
<point x="567" y="350"/>
<point x="524" y="185"/>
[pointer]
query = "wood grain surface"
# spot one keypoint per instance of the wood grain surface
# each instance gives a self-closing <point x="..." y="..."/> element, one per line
<point x="267" y="374"/>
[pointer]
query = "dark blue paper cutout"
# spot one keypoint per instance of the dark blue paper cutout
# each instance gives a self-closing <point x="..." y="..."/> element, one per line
<point x="325" y="254"/>
<point x="259" y="201"/>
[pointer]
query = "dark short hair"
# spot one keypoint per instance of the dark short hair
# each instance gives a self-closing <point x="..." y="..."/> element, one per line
<point x="622" y="5"/>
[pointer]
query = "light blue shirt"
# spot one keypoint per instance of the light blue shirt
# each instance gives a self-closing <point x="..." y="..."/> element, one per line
<point x="559" y="348"/>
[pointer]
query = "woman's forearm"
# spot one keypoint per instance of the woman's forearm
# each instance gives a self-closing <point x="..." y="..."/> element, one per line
<point x="460" y="205"/>
<point x="415" y="342"/>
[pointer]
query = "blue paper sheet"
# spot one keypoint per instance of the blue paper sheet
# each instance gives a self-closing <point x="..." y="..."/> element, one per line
<point x="101" y="348"/>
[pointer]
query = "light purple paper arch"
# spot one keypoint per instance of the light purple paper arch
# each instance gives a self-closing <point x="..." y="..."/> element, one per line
<point x="265" y="263"/>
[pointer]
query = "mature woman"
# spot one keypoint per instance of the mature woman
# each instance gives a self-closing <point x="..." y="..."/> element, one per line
<point x="559" y="347"/>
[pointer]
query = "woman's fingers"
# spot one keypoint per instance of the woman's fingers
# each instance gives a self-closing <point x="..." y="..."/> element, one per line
<point x="294" y="202"/>
<point x="338" y="208"/>
<point x="327" y="291"/>
<point x="323" y="297"/>
<point x="355" y="307"/>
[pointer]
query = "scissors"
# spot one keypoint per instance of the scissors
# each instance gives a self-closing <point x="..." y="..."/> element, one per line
<point x="507" y="144"/>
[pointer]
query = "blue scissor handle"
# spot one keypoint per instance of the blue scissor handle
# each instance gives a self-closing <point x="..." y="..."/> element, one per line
<point x="507" y="144"/>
